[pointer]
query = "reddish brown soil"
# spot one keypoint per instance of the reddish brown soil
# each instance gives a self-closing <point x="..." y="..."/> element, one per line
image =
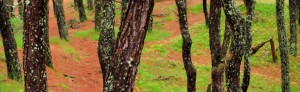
<point x="85" y="75"/>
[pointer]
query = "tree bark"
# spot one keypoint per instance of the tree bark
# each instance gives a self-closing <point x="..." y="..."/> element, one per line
<point x="10" y="46"/>
<point x="285" y="78"/>
<point x="250" y="6"/>
<point x="76" y="4"/>
<point x="90" y="4"/>
<point x="293" y="8"/>
<point x="205" y="12"/>
<point x="186" y="46"/>
<point x="34" y="54"/>
<point x="81" y="10"/>
<point x="10" y="9"/>
<point x="215" y="46"/>
<point x="106" y="40"/>
<point x="60" y="17"/>
<point x="129" y="45"/>
<point x="233" y="63"/>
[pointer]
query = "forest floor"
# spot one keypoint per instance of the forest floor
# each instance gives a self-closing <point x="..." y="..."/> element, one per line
<point x="77" y="68"/>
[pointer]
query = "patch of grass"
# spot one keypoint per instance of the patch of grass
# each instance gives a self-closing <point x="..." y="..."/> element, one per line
<point x="7" y="85"/>
<point x="66" y="47"/>
<point x="156" y="35"/>
<point x="87" y="34"/>
<point x="195" y="9"/>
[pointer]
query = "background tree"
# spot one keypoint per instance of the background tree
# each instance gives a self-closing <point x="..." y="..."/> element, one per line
<point x="234" y="59"/>
<point x="10" y="46"/>
<point x="215" y="46"/>
<point x="90" y="4"/>
<point x="10" y="7"/>
<point x="284" y="56"/>
<point x="76" y="4"/>
<point x="60" y="17"/>
<point x="81" y="10"/>
<point x="186" y="46"/>
<point x="293" y="8"/>
<point x="98" y="15"/>
<point x="250" y="6"/>
<point x="205" y="12"/>
<point x="20" y="8"/>
<point x="34" y="54"/>
<point x="106" y="39"/>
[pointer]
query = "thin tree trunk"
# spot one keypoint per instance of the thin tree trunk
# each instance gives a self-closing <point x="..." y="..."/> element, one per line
<point x="98" y="15"/>
<point x="34" y="54"/>
<point x="186" y="46"/>
<point x="215" y="46"/>
<point x="10" y="5"/>
<point x="250" y="5"/>
<point x="106" y="41"/>
<point x="233" y="63"/>
<point x="90" y="4"/>
<point x="284" y="56"/>
<point x="60" y="17"/>
<point x="20" y="8"/>
<point x="150" y="23"/>
<point x="293" y="7"/>
<point x="10" y="46"/>
<point x="205" y="12"/>
<point x="76" y="4"/>
<point x="129" y="45"/>
<point x="81" y="10"/>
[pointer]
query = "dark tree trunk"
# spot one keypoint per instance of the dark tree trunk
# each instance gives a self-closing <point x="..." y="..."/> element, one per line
<point x="35" y="45"/>
<point x="186" y="46"/>
<point x="106" y="40"/>
<point x="215" y="46"/>
<point x="250" y="5"/>
<point x="10" y="9"/>
<point x="60" y="17"/>
<point x="98" y="15"/>
<point x="293" y="7"/>
<point x="235" y="53"/>
<point x="90" y="4"/>
<point x="129" y="45"/>
<point x="81" y="10"/>
<point x="10" y="46"/>
<point x="205" y="12"/>
<point x="20" y="8"/>
<point x="124" y="7"/>
<point x="284" y="56"/>
<point x="76" y="4"/>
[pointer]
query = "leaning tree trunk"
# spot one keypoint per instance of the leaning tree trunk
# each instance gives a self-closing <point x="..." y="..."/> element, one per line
<point x="60" y="17"/>
<point x="34" y="54"/>
<point x="90" y="4"/>
<point x="293" y="7"/>
<point x="205" y="12"/>
<point x="186" y="46"/>
<point x="10" y="47"/>
<point x="284" y="56"/>
<point x="215" y="46"/>
<point x="20" y="8"/>
<point x="235" y="53"/>
<point x="106" y="40"/>
<point x="129" y="45"/>
<point x="81" y="10"/>
<point x="250" y="5"/>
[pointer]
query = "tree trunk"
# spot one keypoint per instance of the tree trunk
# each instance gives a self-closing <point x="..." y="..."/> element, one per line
<point x="285" y="78"/>
<point x="10" y="46"/>
<point x="205" y="12"/>
<point x="293" y="7"/>
<point x="60" y="17"/>
<point x="129" y="45"/>
<point x="98" y="15"/>
<point x="90" y="4"/>
<point x="186" y="46"/>
<point x="10" y="5"/>
<point x="76" y="4"/>
<point x="35" y="45"/>
<point x="215" y="46"/>
<point x="106" y="40"/>
<point x="81" y="10"/>
<point x="20" y="8"/>
<point x="233" y="63"/>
